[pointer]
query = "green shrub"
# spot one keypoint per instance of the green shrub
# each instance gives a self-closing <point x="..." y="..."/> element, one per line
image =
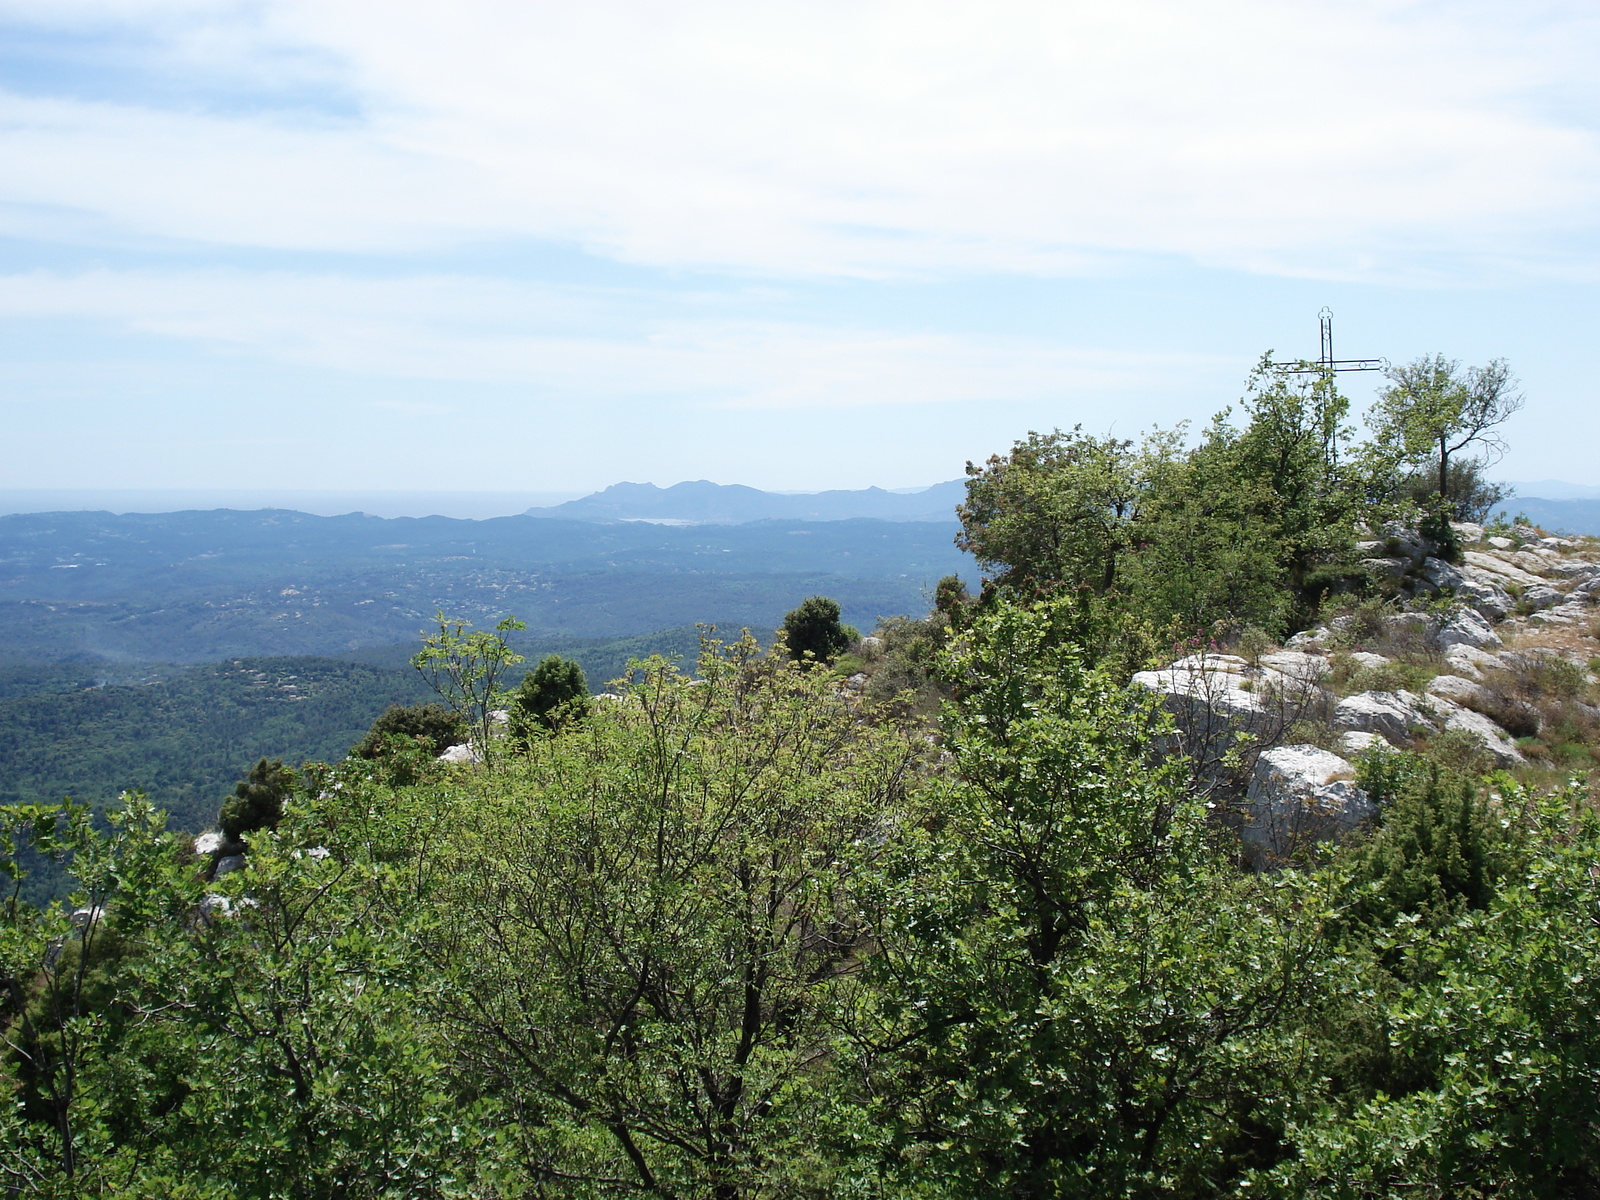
<point x="552" y="694"/>
<point x="257" y="800"/>
<point x="431" y="727"/>
<point x="813" y="628"/>
<point x="905" y="668"/>
<point x="1435" y="849"/>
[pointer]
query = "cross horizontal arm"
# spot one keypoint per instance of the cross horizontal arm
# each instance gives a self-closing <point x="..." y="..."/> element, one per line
<point x="1304" y="367"/>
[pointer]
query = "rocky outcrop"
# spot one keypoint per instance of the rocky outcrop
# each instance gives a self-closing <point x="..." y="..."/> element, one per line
<point x="1459" y="690"/>
<point x="1469" y="661"/>
<point x="1393" y="716"/>
<point x="1232" y="713"/>
<point x="1467" y="627"/>
<point x="1493" y="739"/>
<point x="1219" y="699"/>
<point x="1299" y="795"/>
<point x="1486" y="596"/>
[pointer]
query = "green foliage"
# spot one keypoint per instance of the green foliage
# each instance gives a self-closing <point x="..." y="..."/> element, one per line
<point x="186" y="738"/>
<point x="746" y="935"/>
<point x="1436" y="849"/>
<point x="467" y="671"/>
<point x="1056" y="511"/>
<point x="431" y="727"/>
<point x="1074" y="995"/>
<point x="673" y="866"/>
<point x="813" y="629"/>
<point x="552" y="694"/>
<point x="1248" y="527"/>
<point x="1430" y="416"/>
<point x="906" y="674"/>
<point x="1501" y="1026"/>
<point x="951" y="598"/>
<point x="257" y="800"/>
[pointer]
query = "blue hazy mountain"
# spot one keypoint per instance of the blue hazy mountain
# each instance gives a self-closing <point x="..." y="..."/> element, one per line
<point x="702" y="502"/>
<point x="1562" y="516"/>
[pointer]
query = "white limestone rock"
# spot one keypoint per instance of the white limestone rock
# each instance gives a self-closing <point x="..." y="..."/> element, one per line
<point x="1574" y="612"/>
<point x="1467" y="627"/>
<point x="1309" y="639"/>
<point x="210" y="842"/>
<point x="1296" y="664"/>
<point x="1354" y="742"/>
<point x="1541" y="597"/>
<point x="1458" y="690"/>
<point x="1580" y="571"/>
<point x="1407" y="543"/>
<point x="1391" y="715"/>
<point x="463" y="753"/>
<point x="227" y="865"/>
<point x="1216" y="697"/>
<point x="1489" y="598"/>
<point x="1441" y="574"/>
<point x="1300" y="795"/>
<point x="1411" y="625"/>
<point x="1490" y="735"/>
<point x="1501" y="543"/>
<point x="1498" y="567"/>
<point x="1470" y="662"/>
<point x="1368" y="660"/>
<point x="1467" y="531"/>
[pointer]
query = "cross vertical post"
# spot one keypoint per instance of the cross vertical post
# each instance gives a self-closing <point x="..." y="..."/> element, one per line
<point x="1328" y="367"/>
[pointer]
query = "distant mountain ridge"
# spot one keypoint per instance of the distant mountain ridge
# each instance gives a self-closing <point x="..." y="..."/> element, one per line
<point x="1562" y="516"/>
<point x="702" y="502"/>
<point x="1554" y="489"/>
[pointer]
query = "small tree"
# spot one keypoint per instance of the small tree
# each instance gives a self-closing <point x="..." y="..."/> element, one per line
<point x="813" y="628"/>
<point x="257" y="800"/>
<point x="551" y="694"/>
<point x="466" y="669"/>
<point x="1059" y="509"/>
<point x="1433" y="412"/>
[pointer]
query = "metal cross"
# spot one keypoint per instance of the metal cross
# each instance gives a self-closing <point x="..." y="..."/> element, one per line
<point x="1327" y="363"/>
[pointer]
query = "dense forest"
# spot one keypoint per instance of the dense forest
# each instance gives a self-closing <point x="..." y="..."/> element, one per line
<point x="183" y="734"/>
<point x="964" y="907"/>
<point x="207" y="586"/>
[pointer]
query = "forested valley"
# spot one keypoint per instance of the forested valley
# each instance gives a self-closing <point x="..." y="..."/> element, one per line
<point x="1234" y="838"/>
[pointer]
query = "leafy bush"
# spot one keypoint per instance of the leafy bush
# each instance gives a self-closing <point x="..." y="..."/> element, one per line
<point x="550" y="695"/>
<point x="1435" y="846"/>
<point x="813" y="628"/>
<point x="431" y="727"/>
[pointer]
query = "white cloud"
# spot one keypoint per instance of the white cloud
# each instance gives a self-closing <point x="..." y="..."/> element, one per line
<point x="448" y="328"/>
<point x="1374" y="138"/>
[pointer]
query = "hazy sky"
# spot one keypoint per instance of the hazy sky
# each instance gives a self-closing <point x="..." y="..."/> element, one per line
<point x="521" y="245"/>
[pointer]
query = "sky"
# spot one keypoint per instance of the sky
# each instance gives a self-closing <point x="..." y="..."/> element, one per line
<point x="517" y="246"/>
